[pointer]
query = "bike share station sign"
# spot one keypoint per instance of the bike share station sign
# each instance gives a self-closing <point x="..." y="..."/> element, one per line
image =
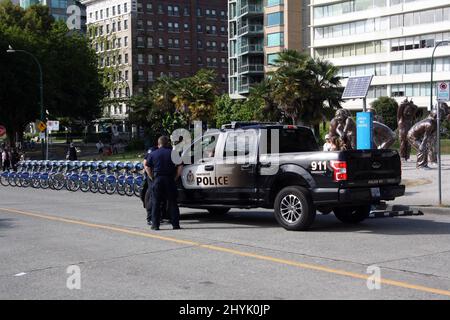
<point x="357" y="88"/>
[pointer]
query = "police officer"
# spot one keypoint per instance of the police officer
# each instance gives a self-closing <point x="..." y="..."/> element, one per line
<point x="148" y="194"/>
<point x="164" y="173"/>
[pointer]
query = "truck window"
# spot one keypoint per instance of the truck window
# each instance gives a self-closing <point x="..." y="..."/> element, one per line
<point x="240" y="144"/>
<point x="202" y="150"/>
<point x="294" y="140"/>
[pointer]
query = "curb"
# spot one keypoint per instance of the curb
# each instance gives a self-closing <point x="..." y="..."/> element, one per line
<point x="432" y="210"/>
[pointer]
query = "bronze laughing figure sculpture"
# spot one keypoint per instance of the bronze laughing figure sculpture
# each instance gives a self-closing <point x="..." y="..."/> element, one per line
<point x="406" y="115"/>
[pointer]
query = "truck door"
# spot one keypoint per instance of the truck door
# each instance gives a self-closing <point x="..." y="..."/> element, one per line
<point x="198" y="178"/>
<point x="236" y="167"/>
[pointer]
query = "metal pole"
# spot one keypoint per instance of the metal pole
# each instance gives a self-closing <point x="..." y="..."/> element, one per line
<point x="438" y="119"/>
<point x="364" y="105"/>
<point x="438" y="150"/>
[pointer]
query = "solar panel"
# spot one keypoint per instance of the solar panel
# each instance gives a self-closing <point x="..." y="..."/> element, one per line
<point x="357" y="87"/>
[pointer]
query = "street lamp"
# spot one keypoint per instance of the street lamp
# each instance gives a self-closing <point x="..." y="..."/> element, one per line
<point x="438" y="118"/>
<point x="41" y="88"/>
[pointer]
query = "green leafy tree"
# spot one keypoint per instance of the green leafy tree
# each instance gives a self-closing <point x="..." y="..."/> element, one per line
<point x="196" y="95"/>
<point x="386" y="107"/>
<point x="306" y="90"/>
<point x="72" y="82"/>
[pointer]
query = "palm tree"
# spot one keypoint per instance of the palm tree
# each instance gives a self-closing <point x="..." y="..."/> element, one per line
<point x="196" y="95"/>
<point x="306" y="89"/>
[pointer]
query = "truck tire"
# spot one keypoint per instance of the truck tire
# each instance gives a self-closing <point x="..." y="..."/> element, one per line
<point x="294" y="209"/>
<point x="354" y="214"/>
<point x="218" y="211"/>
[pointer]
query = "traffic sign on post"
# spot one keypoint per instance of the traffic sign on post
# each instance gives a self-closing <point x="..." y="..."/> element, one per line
<point x="53" y="125"/>
<point x="443" y="92"/>
<point x="41" y="126"/>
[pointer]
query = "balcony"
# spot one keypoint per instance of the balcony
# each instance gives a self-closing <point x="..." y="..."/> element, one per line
<point x="252" y="9"/>
<point x="252" y="48"/>
<point x="244" y="88"/>
<point x="259" y="68"/>
<point x="253" y="29"/>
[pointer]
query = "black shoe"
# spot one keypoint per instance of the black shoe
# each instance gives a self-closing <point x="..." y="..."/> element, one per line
<point x="149" y="223"/>
<point x="155" y="228"/>
<point x="176" y="228"/>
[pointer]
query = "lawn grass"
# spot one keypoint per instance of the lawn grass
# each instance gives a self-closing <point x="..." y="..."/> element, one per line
<point x="445" y="146"/>
<point x="126" y="156"/>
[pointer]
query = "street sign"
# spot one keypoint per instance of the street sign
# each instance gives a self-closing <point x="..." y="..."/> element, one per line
<point x="443" y="92"/>
<point x="53" y="125"/>
<point x="41" y="126"/>
<point x="2" y="131"/>
<point x="364" y="130"/>
<point x="357" y="87"/>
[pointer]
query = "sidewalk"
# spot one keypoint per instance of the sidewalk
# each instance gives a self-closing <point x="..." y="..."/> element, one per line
<point x="422" y="185"/>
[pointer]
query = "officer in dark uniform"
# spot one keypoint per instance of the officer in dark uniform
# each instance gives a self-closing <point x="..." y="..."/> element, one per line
<point x="164" y="173"/>
<point x="148" y="194"/>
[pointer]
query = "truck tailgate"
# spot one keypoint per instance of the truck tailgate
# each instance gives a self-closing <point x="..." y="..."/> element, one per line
<point x="372" y="167"/>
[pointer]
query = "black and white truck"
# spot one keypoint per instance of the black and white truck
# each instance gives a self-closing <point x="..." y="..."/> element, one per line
<point x="247" y="165"/>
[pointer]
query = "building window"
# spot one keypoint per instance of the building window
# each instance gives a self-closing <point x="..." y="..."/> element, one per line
<point x="187" y="43"/>
<point x="150" y="42"/>
<point x="125" y="41"/>
<point x="199" y="12"/>
<point x="140" y="58"/>
<point x="161" y="42"/>
<point x="149" y="7"/>
<point x="140" y="75"/>
<point x="275" y="39"/>
<point x="161" y="59"/>
<point x="151" y="59"/>
<point x="186" y="11"/>
<point x="149" y="25"/>
<point x="150" y="76"/>
<point x="125" y="24"/>
<point x="271" y="3"/>
<point x="274" y="19"/>
<point x="160" y="9"/>
<point x="125" y="9"/>
<point x="119" y="25"/>
<point x="118" y="9"/>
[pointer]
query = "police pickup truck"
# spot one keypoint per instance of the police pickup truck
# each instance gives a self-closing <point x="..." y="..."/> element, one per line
<point x="247" y="165"/>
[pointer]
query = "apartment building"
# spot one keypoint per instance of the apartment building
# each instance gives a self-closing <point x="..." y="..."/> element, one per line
<point x="390" y="39"/>
<point x="145" y="39"/>
<point x="258" y="31"/>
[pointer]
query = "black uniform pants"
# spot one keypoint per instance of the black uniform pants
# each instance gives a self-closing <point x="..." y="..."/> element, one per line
<point x="149" y="202"/>
<point x="164" y="187"/>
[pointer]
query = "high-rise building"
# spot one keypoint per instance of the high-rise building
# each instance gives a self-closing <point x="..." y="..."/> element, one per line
<point x="70" y="11"/>
<point x="27" y="3"/>
<point x="390" y="39"/>
<point x="258" y="31"/>
<point x="145" y="39"/>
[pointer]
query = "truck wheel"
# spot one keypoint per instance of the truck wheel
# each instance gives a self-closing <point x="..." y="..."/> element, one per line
<point x="294" y="209"/>
<point x="218" y="211"/>
<point x="352" y="214"/>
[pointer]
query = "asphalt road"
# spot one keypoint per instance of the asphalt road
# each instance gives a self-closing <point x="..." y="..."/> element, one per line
<point x="242" y="255"/>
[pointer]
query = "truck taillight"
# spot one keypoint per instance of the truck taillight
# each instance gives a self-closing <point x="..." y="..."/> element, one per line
<point x="339" y="170"/>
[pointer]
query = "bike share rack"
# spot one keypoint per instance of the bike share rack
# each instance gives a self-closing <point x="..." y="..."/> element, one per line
<point x="123" y="178"/>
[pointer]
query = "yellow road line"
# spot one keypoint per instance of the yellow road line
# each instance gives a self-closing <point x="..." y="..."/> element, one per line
<point x="232" y="251"/>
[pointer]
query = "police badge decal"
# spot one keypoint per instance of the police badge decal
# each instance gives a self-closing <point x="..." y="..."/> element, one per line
<point x="190" y="177"/>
